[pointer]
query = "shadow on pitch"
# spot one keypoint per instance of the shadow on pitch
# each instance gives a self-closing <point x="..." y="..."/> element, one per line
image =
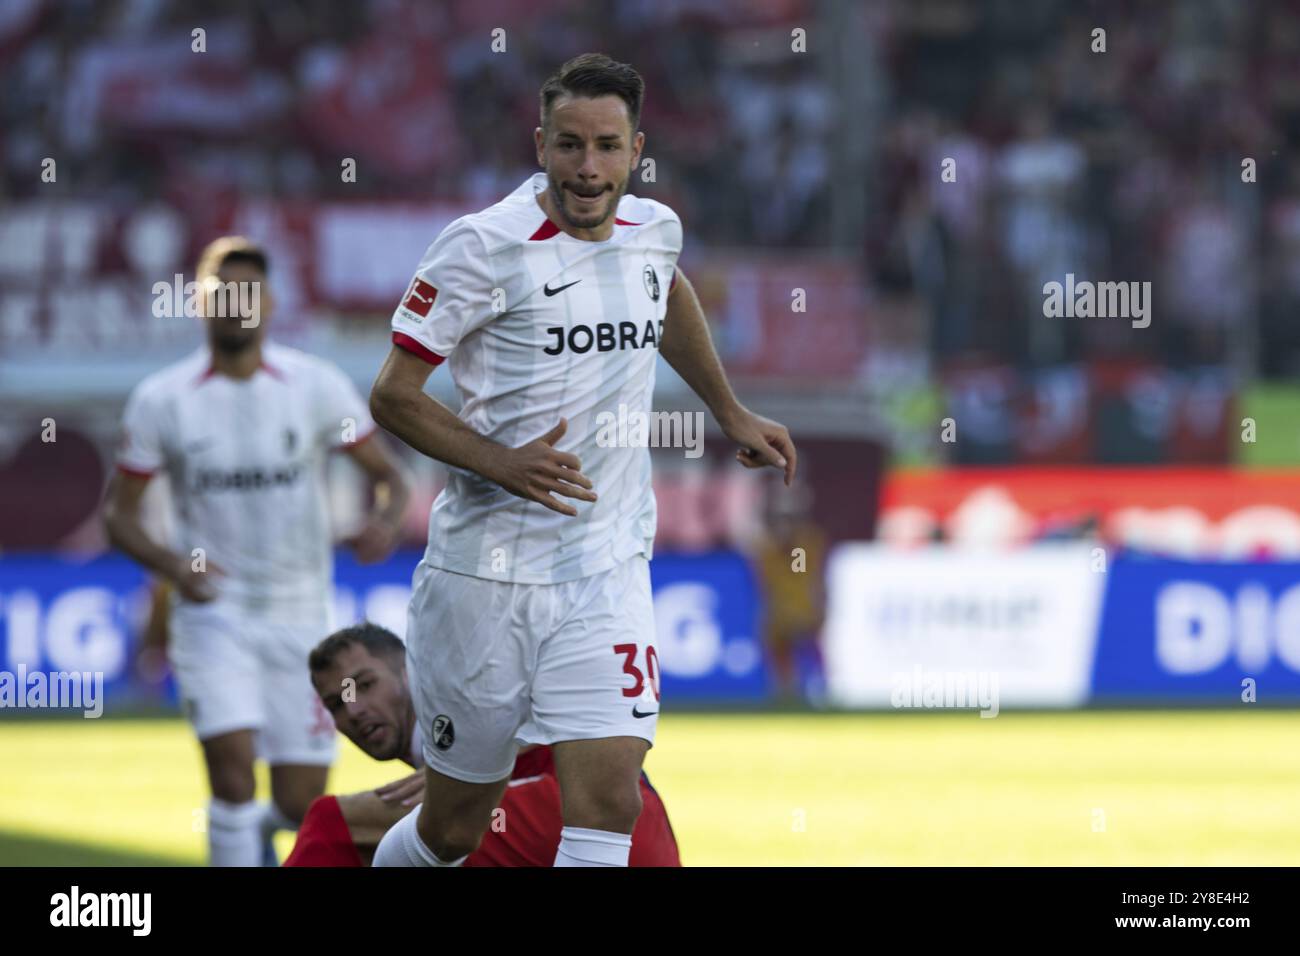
<point x="24" y="849"/>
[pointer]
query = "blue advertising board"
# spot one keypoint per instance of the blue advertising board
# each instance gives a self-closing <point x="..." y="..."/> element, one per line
<point x="63" y="615"/>
<point x="706" y="621"/>
<point x="1199" y="629"/>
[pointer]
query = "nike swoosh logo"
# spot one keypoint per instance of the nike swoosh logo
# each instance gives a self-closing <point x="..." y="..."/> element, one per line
<point x="648" y="713"/>
<point x="549" y="291"/>
<point x="520" y="781"/>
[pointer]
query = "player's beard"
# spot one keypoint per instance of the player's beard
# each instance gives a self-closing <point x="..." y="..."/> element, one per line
<point x="229" y="337"/>
<point x="589" y="220"/>
<point x="391" y="751"/>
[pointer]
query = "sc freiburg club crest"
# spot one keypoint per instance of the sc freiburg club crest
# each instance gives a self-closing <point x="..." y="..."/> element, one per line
<point x="444" y="733"/>
<point x="651" y="283"/>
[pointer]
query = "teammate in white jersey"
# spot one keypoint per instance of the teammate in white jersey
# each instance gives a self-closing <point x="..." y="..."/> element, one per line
<point x="242" y="429"/>
<point x="531" y="620"/>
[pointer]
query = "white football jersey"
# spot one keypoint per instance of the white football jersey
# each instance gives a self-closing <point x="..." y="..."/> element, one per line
<point x="537" y="326"/>
<point x="246" y="464"/>
<point x="415" y="757"/>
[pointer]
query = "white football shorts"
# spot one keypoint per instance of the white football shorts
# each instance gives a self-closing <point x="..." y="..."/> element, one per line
<point x="239" y="671"/>
<point x="494" y="665"/>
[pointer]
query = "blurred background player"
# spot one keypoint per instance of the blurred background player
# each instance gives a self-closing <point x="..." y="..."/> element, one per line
<point x="531" y="619"/>
<point x="360" y="674"/>
<point x="790" y="563"/>
<point x="242" y="429"/>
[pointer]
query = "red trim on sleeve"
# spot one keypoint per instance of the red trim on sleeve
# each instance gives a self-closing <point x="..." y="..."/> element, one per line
<point x="134" y="472"/>
<point x="404" y="341"/>
<point x="545" y="231"/>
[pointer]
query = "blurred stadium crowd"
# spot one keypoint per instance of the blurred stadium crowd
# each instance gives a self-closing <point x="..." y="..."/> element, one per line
<point x="817" y="170"/>
<point x="415" y="93"/>
<point x="1125" y="164"/>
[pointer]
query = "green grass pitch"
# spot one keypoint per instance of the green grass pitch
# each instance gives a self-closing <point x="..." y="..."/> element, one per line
<point x="1091" y="788"/>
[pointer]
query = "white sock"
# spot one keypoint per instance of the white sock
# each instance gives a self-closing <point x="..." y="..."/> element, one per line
<point x="579" y="847"/>
<point x="274" y="820"/>
<point x="402" y="846"/>
<point x="234" y="833"/>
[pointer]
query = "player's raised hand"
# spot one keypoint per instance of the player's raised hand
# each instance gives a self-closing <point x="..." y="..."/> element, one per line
<point x="408" y="791"/>
<point x="538" y="469"/>
<point x="762" y="441"/>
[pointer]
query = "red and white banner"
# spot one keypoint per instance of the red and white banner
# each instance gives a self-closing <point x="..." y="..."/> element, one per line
<point x="82" y="274"/>
<point x="1185" y="512"/>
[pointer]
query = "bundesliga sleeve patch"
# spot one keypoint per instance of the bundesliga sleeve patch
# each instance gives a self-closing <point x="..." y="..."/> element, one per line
<point x="419" y="297"/>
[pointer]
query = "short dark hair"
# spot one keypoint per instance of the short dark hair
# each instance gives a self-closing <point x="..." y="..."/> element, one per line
<point x="229" y="250"/>
<point x="379" y="641"/>
<point x="592" y="75"/>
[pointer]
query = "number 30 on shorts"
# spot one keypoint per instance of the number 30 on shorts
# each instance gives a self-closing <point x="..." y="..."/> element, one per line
<point x="629" y="652"/>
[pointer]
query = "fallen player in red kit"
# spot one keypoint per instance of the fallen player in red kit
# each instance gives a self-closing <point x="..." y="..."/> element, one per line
<point x="360" y="675"/>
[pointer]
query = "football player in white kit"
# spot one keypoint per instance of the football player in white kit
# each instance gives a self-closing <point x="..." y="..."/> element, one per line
<point x="531" y="618"/>
<point x="242" y="429"/>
